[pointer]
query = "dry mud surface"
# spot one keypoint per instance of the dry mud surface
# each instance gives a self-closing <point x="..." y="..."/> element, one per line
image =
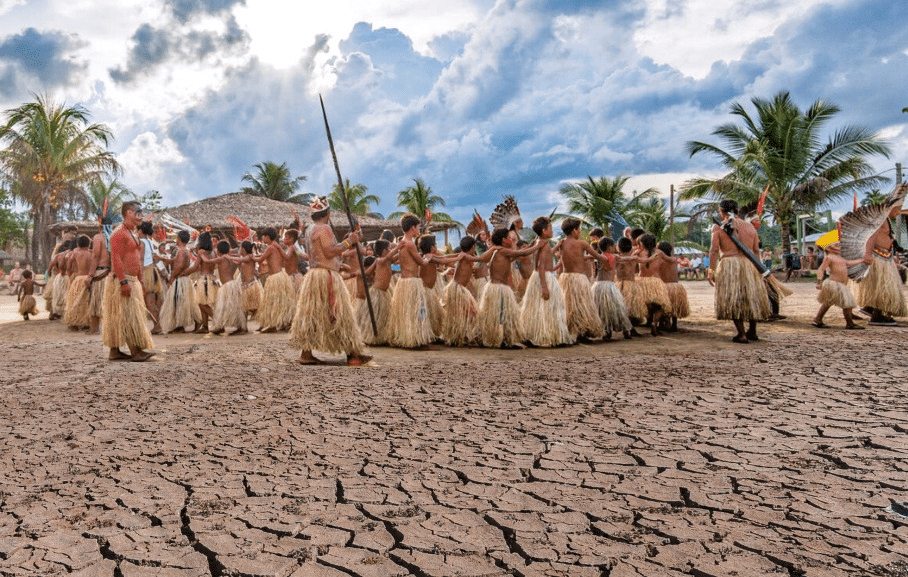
<point x="682" y="454"/>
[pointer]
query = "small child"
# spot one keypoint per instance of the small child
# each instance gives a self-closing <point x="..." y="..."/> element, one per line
<point x="625" y="280"/>
<point x="677" y="294"/>
<point x="461" y="316"/>
<point x="378" y="272"/>
<point x="25" y="295"/>
<point x="608" y="299"/>
<point x="834" y="290"/>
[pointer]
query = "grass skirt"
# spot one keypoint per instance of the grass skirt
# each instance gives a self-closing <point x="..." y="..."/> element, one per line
<point x="677" y="295"/>
<point x="882" y="289"/>
<point x="610" y="304"/>
<point x="324" y="318"/>
<point x="381" y="306"/>
<point x="279" y="302"/>
<point x="206" y="290"/>
<point x="633" y="299"/>
<point x="179" y="308"/>
<point x="545" y="321"/>
<point x="28" y="305"/>
<point x="477" y="286"/>
<point x="582" y="316"/>
<point x="228" y="312"/>
<point x="461" y="319"/>
<point x="61" y="286"/>
<point x="499" y="317"/>
<point x="410" y="326"/>
<point x="654" y="292"/>
<point x="151" y="280"/>
<point x="434" y="298"/>
<point x="252" y="295"/>
<point x="96" y="297"/>
<point x="837" y="294"/>
<point x="124" y="318"/>
<point x="49" y="296"/>
<point x="77" y="303"/>
<point x="740" y="291"/>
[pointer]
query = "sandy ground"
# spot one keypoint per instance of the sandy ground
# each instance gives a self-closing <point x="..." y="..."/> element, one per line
<point x="683" y="454"/>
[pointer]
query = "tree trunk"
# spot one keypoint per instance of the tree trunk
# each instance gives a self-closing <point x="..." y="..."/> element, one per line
<point x="42" y="238"/>
<point x="786" y="236"/>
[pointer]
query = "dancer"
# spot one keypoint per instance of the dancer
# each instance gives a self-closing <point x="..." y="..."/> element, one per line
<point x="324" y="318"/>
<point x="252" y="288"/>
<point x="78" y="314"/>
<point x="626" y="265"/>
<point x="152" y="284"/>
<point x="410" y="325"/>
<point x="228" y="311"/>
<point x="655" y="295"/>
<point x="460" y="326"/>
<point x="740" y="292"/>
<point x="206" y="285"/>
<point x="607" y="298"/>
<point x="834" y="290"/>
<point x="379" y="293"/>
<point x="582" y="317"/>
<point x="677" y="294"/>
<point x="25" y="295"/>
<point x="124" y="305"/>
<point x="499" y="315"/>
<point x="180" y="309"/>
<point x="543" y="311"/>
<point x="428" y="272"/>
<point x="879" y="293"/>
<point x="277" y="308"/>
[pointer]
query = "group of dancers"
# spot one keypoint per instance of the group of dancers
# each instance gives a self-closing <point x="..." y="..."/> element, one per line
<point x="495" y="290"/>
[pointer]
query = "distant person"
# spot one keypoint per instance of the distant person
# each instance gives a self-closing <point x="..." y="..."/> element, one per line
<point x="15" y="277"/>
<point x="792" y="263"/>
<point x="24" y="294"/>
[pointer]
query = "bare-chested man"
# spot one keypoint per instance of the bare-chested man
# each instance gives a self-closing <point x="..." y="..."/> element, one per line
<point x="124" y="305"/>
<point x="582" y="318"/>
<point x="180" y="309"/>
<point x="740" y="291"/>
<point x="499" y="314"/>
<point x="324" y="319"/>
<point x="78" y="315"/>
<point x="279" y="301"/>
<point x="543" y="311"/>
<point x="879" y="293"/>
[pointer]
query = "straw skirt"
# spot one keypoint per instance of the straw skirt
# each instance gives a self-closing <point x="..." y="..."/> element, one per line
<point x="324" y="320"/>
<point x="677" y="295"/>
<point x="206" y="290"/>
<point x="834" y="293"/>
<point x="882" y="289"/>
<point x="409" y="325"/>
<point x="610" y="305"/>
<point x="582" y="316"/>
<point x="654" y="292"/>
<point x="434" y="299"/>
<point x="740" y="291"/>
<point x="252" y="296"/>
<point x="499" y="317"/>
<point x="28" y="305"/>
<point x="461" y="319"/>
<point x="77" y="303"/>
<point x="545" y="321"/>
<point x="381" y="307"/>
<point x="279" y="302"/>
<point x="96" y="298"/>
<point x="228" y="312"/>
<point x="124" y="318"/>
<point x="61" y="286"/>
<point x="633" y="299"/>
<point x="179" y="308"/>
<point x="151" y="280"/>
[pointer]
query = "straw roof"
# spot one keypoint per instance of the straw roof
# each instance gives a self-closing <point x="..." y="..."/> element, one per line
<point x="257" y="213"/>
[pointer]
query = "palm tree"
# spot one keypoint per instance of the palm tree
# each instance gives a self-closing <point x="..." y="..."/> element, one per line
<point x="51" y="151"/>
<point x="114" y="192"/>
<point x="603" y="203"/>
<point x="360" y="202"/>
<point x="275" y="182"/>
<point x="874" y="197"/>
<point x="780" y="149"/>
<point x="418" y="199"/>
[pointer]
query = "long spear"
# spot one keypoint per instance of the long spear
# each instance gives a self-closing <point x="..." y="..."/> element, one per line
<point x="343" y="193"/>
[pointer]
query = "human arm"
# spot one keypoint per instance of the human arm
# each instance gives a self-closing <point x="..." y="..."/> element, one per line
<point x="713" y="255"/>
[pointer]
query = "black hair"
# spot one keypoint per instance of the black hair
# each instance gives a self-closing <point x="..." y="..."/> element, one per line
<point x="145" y="228"/>
<point x="132" y="205"/>
<point x="648" y="242"/>
<point x="521" y="242"/>
<point x="320" y="214"/>
<point x="292" y="233"/>
<point x="728" y="206"/>
<point x="26" y="273"/>
<point x="625" y="244"/>
<point x="665" y="247"/>
<point x="70" y="228"/>
<point x="605" y="243"/>
<point x="426" y="242"/>
<point x="223" y="247"/>
<point x="204" y="241"/>
<point x="569" y="225"/>
<point x="498" y="236"/>
<point x="597" y="232"/>
<point x="408" y="221"/>
<point x="466" y="243"/>
<point x="636" y="233"/>
<point x="387" y="235"/>
<point x="271" y="233"/>
<point x="380" y="247"/>
<point x="367" y="262"/>
<point x="65" y="245"/>
<point x="540" y="224"/>
<point x="83" y="241"/>
<point x="247" y="246"/>
<point x="183" y="235"/>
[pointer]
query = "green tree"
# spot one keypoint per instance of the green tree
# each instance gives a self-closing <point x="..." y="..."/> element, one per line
<point x="652" y="215"/>
<point x="13" y="225"/>
<point x="603" y="203"/>
<point x="50" y="151"/>
<point x="274" y="181"/>
<point x="417" y="199"/>
<point x="780" y="148"/>
<point x="360" y="202"/>
<point x="152" y="201"/>
<point x="873" y="197"/>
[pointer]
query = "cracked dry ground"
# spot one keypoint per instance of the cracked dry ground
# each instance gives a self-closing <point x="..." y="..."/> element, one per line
<point x="773" y="459"/>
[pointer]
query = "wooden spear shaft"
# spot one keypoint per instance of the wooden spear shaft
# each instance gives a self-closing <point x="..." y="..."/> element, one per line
<point x="343" y="193"/>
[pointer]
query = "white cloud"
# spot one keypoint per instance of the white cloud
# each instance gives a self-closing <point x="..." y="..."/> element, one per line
<point x="146" y="162"/>
<point x="7" y="5"/>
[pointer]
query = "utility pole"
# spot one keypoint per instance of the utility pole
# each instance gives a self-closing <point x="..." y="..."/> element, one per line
<point x="671" y="214"/>
<point x="898" y="173"/>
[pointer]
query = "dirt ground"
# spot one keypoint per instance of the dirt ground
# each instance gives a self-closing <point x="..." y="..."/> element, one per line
<point x="682" y="454"/>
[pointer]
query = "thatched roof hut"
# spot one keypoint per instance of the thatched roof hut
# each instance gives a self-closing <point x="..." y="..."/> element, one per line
<point x="257" y="213"/>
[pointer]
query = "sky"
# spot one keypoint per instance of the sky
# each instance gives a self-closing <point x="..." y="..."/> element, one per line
<point x="479" y="98"/>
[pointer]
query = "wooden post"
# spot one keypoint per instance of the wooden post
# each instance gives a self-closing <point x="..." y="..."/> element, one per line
<point x="671" y="214"/>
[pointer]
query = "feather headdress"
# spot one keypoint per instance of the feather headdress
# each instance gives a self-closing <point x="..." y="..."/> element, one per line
<point x="856" y="228"/>
<point x="241" y="232"/>
<point x="477" y="225"/>
<point x="505" y="214"/>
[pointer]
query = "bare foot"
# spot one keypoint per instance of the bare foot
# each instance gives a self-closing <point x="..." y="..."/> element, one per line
<point x="118" y="356"/>
<point x="358" y="361"/>
<point x="141" y="356"/>
<point x="239" y="332"/>
<point x="308" y="359"/>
